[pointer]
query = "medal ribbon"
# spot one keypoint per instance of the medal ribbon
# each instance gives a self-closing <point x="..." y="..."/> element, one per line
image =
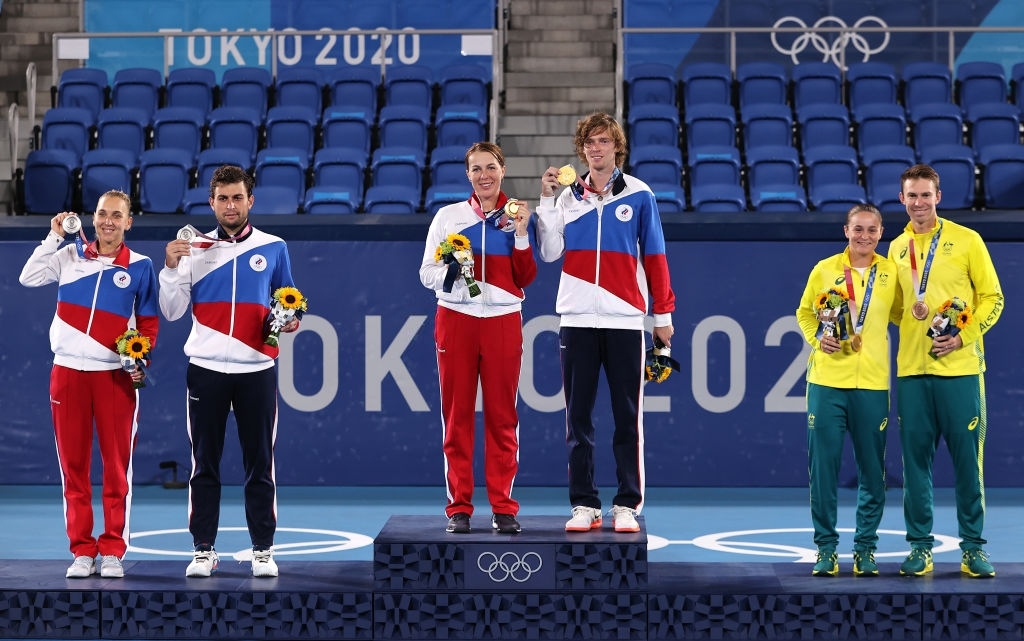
<point x="90" y="251"/>
<point x="863" y="313"/>
<point x="498" y="216"/>
<point x="212" y="240"/>
<point x="927" y="264"/>
<point x="580" y="187"/>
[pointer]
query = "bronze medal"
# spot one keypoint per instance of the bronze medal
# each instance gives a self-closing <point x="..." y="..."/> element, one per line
<point x="856" y="342"/>
<point x="919" y="310"/>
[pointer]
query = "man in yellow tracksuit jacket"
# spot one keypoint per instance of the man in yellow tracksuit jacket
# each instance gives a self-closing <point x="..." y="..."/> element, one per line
<point x="940" y="382"/>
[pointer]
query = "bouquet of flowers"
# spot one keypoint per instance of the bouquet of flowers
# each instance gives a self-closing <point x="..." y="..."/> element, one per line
<point x="832" y="305"/>
<point x="133" y="348"/>
<point x="951" y="317"/>
<point x="659" y="362"/>
<point x="455" y="251"/>
<point x="286" y="304"/>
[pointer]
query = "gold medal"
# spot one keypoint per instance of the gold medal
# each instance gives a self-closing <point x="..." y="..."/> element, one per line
<point x="512" y="206"/>
<point x="919" y="310"/>
<point x="856" y="342"/>
<point x="566" y="175"/>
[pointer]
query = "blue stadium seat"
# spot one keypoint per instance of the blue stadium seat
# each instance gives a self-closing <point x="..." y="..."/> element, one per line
<point x="69" y="128"/>
<point x="993" y="123"/>
<point x="301" y="87"/>
<point x="49" y="180"/>
<point x="766" y="124"/>
<point x="762" y="83"/>
<point x="83" y="88"/>
<point x="837" y="197"/>
<point x="460" y="125"/>
<point x="448" y="165"/>
<point x="879" y="124"/>
<point x="654" y="124"/>
<point x="398" y="167"/>
<point x="708" y="124"/>
<point x="191" y="87"/>
<point x="772" y="164"/>
<point x="657" y="164"/>
<point x="348" y="126"/>
<point x="869" y="83"/>
<point x="883" y="165"/>
<point x="164" y="176"/>
<point x="706" y="82"/>
<point x="283" y="167"/>
<point x="329" y="200"/>
<point x="779" y="198"/>
<point x="714" y="165"/>
<point x="464" y="85"/>
<point x="823" y="124"/>
<point x="955" y="164"/>
<point x="404" y="125"/>
<point x="1017" y="84"/>
<point x="210" y="159"/>
<point x="410" y="85"/>
<point x="275" y="199"/>
<point x="830" y="165"/>
<point x="103" y="170"/>
<point x="289" y="126"/>
<point x="179" y="128"/>
<point x="925" y="83"/>
<point x="355" y="86"/>
<point x="341" y="169"/>
<point x="246" y="87"/>
<point x="671" y="198"/>
<point x="235" y="127"/>
<point x="196" y="201"/>
<point x="817" y="82"/>
<point x="650" y="83"/>
<point x="980" y="82"/>
<point x="1002" y="176"/>
<point x="718" y="198"/>
<point x="936" y="124"/>
<point x="397" y="199"/>
<point x="138" y="88"/>
<point x="443" y="194"/>
<point x="123" y="128"/>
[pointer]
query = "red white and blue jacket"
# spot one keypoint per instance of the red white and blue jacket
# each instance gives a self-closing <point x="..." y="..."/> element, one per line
<point x="614" y="256"/>
<point x="97" y="300"/>
<point x="230" y="285"/>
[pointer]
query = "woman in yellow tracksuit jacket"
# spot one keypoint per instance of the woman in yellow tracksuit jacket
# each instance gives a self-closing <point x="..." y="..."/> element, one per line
<point x="848" y="387"/>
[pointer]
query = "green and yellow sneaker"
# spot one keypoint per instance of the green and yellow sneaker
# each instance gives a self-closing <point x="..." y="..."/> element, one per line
<point x="975" y="564"/>
<point x="827" y="563"/>
<point x="864" y="563"/>
<point x="918" y="562"/>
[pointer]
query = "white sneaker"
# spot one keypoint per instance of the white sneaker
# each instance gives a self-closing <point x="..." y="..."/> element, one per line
<point x="583" y="519"/>
<point x="204" y="563"/>
<point x="111" y="568"/>
<point x="82" y="568"/>
<point x="263" y="563"/>
<point x="624" y="519"/>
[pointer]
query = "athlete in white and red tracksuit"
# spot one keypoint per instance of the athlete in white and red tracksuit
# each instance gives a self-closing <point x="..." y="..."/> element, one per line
<point x="480" y="338"/>
<point x="607" y="228"/>
<point x="103" y="288"/>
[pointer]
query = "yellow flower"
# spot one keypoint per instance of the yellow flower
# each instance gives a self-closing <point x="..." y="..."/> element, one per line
<point x="458" y="241"/>
<point x="963" y="318"/>
<point x="822" y="300"/>
<point x="290" y="298"/>
<point x="437" y="255"/>
<point x="138" y="347"/>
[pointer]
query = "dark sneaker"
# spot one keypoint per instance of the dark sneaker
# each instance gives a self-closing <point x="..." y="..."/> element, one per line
<point x="458" y="523"/>
<point x="864" y="563"/>
<point x="975" y="564"/>
<point x="827" y="563"/>
<point x="505" y="523"/>
<point x="918" y="562"/>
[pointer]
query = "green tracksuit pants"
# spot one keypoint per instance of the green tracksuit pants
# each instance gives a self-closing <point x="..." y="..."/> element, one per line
<point x="831" y="414"/>
<point x="951" y="408"/>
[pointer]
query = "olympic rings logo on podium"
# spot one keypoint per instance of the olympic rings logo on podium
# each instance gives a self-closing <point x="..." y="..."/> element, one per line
<point x="509" y="566"/>
<point x="829" y="51"/>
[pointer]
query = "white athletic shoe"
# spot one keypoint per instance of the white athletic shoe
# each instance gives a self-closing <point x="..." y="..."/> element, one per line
<point x="263" y="563"/>
<point x="624" y="519"/>
<point x="583" y="519"/>
<point x="111" y="568"/>
<point x="82" y="568"/>
<point x="204" y="563"/>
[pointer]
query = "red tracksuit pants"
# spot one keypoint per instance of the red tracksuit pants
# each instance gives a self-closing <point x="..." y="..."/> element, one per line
<point x="78" y="398"/>
<point x="488" y="350"/>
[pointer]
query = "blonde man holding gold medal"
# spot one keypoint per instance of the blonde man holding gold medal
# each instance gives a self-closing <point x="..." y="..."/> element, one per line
<point x="848" y="384"/>
<point x="940" y="366"/>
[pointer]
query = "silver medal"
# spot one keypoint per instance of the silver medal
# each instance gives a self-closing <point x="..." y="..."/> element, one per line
<point x="71" y="224"/>
<point x="187" y="233"/>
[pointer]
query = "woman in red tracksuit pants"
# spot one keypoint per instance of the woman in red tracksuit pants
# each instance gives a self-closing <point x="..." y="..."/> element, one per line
<point x="478" y="337"/>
